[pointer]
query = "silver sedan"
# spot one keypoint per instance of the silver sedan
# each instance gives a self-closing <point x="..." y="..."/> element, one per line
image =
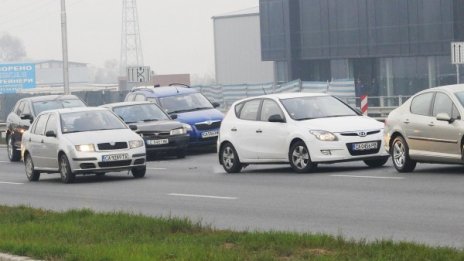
<point x="81" y="141"/>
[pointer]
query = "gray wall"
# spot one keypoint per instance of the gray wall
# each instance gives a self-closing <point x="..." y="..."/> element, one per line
<point x="238" y="51"/>
<point x="333" y="29"/>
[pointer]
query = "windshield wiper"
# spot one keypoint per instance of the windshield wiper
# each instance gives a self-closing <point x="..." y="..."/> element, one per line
<point x="179" y="111"/>
<point x="150" y="120"/>
<point x="302" y="119"/>
<point x="332" y="116"/>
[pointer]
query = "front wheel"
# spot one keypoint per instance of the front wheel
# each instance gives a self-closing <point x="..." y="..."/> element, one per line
<point x="229" y="159"/>
<point x="400" y="155"/>
<point x="139" y="172"/>
<point x="67" y="176"/>
<point x="300" y="159"/>
<point x="375" y="163"/>
<point x="13" y="153"/>
<point x="31" y="173"/>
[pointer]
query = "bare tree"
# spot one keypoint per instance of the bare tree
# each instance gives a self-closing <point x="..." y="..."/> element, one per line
<point x="11" y="48"/>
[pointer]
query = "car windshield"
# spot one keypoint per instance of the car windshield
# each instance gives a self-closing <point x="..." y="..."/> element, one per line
<point x="40" y="106"/>
<point x="140" y="113"/>
<point x="305" y="108"/>
<point x="460" y="96"/>
<point x="185" y="103"/>
<point x="90" y="121"/>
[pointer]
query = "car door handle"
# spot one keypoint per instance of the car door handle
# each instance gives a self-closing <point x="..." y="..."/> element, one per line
<point x="42" y="141"/>
<point x="259" y="131"/>
<point x="431" y="124"/>
<point x="406" y="121"/>
<point x="29" y="139"/>
<point x="233" y="129"/>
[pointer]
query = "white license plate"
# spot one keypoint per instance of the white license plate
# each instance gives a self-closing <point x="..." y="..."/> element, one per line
<point x="365" y="146"/>
<point x="209" y="134"/>
<point x="157" y="142"/>
<point x="115" y="157"/>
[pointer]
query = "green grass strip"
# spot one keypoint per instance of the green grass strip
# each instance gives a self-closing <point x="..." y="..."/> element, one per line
<point x="86" y="235"/>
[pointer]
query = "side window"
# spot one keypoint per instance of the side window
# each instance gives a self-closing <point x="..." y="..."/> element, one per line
<point x="455" y="113"/>
<point x="442" y="104"/>
<point x="421" y="104"/>
<point x="139" y="97"/>
<point x="238" y="108"/>
<point x="130" y="97"/>
<point x="51" y="124"/>
<point x="20" y="108"/>
<point x="40" y="125"/>
<point x="250" y="110"/>
<point x="26" y="109"/>
<point x="270" y="108"/>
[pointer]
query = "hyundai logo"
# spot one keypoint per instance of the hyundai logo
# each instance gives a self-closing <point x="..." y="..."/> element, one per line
<point x="362" y="133"/>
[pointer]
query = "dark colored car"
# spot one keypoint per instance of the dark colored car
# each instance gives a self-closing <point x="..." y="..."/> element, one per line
<point x="23" y="115"/>
<point x="189" y="106"/>
<point x="158" y="130"/>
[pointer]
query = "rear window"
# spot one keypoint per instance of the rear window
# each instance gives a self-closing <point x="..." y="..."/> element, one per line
<point x="421" y="104"/>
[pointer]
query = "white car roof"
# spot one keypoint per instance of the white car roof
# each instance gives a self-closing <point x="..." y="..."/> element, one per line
<point x="75" y="109"/>
<point x="286" y="95"/>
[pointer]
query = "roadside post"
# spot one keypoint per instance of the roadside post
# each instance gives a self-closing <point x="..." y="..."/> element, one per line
<point x="457" y="57"/>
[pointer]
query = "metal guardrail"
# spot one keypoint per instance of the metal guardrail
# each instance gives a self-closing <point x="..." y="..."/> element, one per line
<point x="2" y="132"/>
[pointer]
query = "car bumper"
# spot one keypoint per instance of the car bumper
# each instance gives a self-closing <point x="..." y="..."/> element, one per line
<point x="174" y="143"/>
<point x="92" y="162"/>
<point x="342" y="150"/>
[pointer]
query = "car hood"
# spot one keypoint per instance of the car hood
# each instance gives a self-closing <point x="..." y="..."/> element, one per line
<point x="104" y="136"/>
<point x="342" y="124"/>
<point x="193" y="117"/>
<point x="152" y="126"/>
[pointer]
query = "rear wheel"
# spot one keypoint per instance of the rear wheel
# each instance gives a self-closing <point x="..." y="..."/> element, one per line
<point x="375" y="163"/>
<point x="300" y="159"/>
<point x="229" y="159"/>
<point x="31" y="173"/>
<point x="67" y="176"/>
<point x="13" y="153"/>
<point x="139" y="172"/>
<point x="400" y="155"/>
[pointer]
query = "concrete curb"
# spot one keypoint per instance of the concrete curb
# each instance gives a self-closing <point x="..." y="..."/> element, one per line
<point x="7" y="257"/>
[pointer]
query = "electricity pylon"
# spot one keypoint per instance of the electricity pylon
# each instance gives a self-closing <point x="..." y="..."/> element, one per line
<point x="131" y="46"/>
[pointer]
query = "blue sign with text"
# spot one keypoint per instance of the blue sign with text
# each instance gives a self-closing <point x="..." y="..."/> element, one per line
<point x="16" y="76"/>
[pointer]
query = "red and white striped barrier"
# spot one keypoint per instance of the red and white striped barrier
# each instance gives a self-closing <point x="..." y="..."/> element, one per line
<point x="364" y="105"/>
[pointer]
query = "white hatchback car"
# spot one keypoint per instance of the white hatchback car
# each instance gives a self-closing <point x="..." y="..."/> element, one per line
<point x="298" y="128"/>
<point x="80" y="141"/>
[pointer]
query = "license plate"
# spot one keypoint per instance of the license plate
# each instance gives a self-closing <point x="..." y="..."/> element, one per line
<point x="115" y="157"/>
<point x="365" y="146"/>
<point x="209" y="134"/>
<point x="157" y="142"/>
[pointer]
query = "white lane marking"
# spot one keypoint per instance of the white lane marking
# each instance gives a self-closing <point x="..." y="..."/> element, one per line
<point x="366" y="177"/>
<point x="201" y="196"/>
<point x="11" y="183"/>
<point x="5" y="162"/>
<point x="157" y="168"/>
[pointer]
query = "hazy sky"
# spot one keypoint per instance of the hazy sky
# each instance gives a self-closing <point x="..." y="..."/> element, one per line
<point x="177" y="35"/>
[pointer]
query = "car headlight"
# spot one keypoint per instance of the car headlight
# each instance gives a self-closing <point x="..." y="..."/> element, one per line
<point x="85" y="148"/>
<point x="135" y="144"/>
<point x="187" y="127"/>
<point x="178" y="131"/>
<point x="324" y="135"/>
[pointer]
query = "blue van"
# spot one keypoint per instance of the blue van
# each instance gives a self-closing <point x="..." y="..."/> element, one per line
<point x="186" y="105"/>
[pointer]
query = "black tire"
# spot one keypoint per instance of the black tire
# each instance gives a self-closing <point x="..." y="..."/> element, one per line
<point x="67" y="176"/>
<point x="139" y="172"/>
<point x="31" y="173"/>
<point x="100" y="174"/>
<point x="299" y="158"/>
<point x="13" y="153"/>
<point x="399" y="152"/>
<point x="180" y="153"/>
<point x="229" y="159"/>
<point x="375" y="163"/>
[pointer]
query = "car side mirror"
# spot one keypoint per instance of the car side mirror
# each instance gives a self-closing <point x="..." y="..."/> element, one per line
<point x="215" y="104"/>
<point x="276" y="118"/>
<point x="133" y="127"/>
<point x="173" y="116"/>
<point x="50" y="133"/>
<point x="27" y="117"/>
<point x="444" y="117"/>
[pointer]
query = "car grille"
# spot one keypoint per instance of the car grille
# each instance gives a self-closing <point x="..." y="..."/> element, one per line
<point x="156" y="135"/>
<point x="116" y="146"/>
<point x="119" y="163"/>
<point x="356" y="133"/>
<point x="205" y="126"/>
<point x="362" y="152"/>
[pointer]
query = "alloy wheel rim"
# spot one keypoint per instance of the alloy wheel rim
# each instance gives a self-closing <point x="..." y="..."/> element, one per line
<point x="399" y="154"/>
<point x="29" y="166"/>
<point x="63" y="168"/>
<point x="228" y="158"/>
<point x="300" y="157"/>
<point x="10" y="147"/>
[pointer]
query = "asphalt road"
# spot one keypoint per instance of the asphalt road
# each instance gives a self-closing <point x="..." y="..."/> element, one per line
<point x="346" y="199"/>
